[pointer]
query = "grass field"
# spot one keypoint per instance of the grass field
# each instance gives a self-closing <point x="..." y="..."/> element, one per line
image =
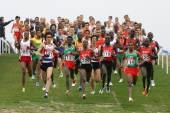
<point x="12" y="99"/>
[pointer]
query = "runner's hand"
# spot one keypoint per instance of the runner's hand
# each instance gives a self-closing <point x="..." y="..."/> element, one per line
<point x="46" y="55"/>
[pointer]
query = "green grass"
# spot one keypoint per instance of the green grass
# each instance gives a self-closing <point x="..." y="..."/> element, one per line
<point x="12" y="99"/>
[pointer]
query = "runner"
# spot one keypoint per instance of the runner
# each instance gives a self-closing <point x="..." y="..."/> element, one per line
<point x="130" y="58"/>
<point x="131" y="38"/>
<point x="68" y="63"/>
<point x="36" y="59"/>
<point x="107" y="51"/>
<point x="120" y="49"/>
<point x="62" y="39"/>
<point x="85" y="72"/>
<point x="146" y="68"/>
<point x="17" y="31"/>
<point x="25" y="57"/>
<point x="72" y="33"/>
<point x="79" y="46"/>
<point x="47" y="49"/>
<point x="153" y="44"/>
<point x="95" y="63"/>
<point x="87" y="37"/>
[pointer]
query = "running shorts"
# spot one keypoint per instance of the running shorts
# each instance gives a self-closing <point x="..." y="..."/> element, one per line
<point x="45" y="66"/>
<point x="148" y="65"/>
<point x="87" y="67"/>
<point x="131" y="71"/>
<point x="95" y="65"/>
<point x="120" y="57"/>
<point x="108" y="64"/>
<point x="26" y="59"/>
<point x="35" y="57"/>
<point x="69" y="64"/>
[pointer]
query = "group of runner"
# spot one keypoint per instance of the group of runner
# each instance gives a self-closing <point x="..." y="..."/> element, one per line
<point x="90" y="48"/>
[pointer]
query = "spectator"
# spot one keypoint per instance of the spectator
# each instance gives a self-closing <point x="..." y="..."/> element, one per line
<point x="2" y="26"/>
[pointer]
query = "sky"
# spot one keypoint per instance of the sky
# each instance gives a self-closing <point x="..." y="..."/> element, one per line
<point x="153" y="14"/>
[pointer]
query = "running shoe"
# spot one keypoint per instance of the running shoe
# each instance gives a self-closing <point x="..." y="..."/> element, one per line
<point x="115" y="72"/>
<point x="121" y="80"/>
<point x="32" y="77"/>
<point x="61" y="75"/>
<point x="110" y="84"/>
<point x="80" y="88"/>
<point x="130" y="99"/>
<point x="67" y="92"/>
<point x="146" y="93"/>
<point x="84" y="96"/>
<point x="152" y="83"/>
<point x="37" y="84"/>
<point x="23" y="89"/>
<point x="143" y="91"/>
<point x="46" y="95"/>
<point x="44" y="87"/>
<point x="74" y="82"/>
<point x="108" y="90"/>
<point x="54" y="84"/>
<point x="101" y="91"/>
<point x="93" y="92"/>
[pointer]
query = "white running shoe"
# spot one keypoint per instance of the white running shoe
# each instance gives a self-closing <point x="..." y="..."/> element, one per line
<point x="101" y="91"/>
<point x="46" y="95"/>
<point x="115" y="72"/>
<point x="44" y="88"/>
<point x="152" y="83"/>
<point x="61" y="75"/>
<point x="37" y="84"/>
<point x="58" y="68"/>
<point x="132" y="85"/>
<point x="121" y="80"/>
<point x="54" y="84"/>
<point x="32" y="77"/>
<point x="93" y="92"/>
<point x="130" y="99"/>
<point x="74" y="82"/>
<point x="107" y="90"/>
<point x="110" y="84"/>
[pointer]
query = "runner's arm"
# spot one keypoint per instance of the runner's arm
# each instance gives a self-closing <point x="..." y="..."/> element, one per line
<point x="123" y="61"/>
<point x="157" y="46"/>
<point x="154" y="55"/>
<point x="12" y="28"/>
<point x="39" y="50"/>
<point x="32" y="44"/>
<point x="140" y="57"/>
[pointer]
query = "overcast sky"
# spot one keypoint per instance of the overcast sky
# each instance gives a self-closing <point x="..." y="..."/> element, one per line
<point x="153" y="14"/>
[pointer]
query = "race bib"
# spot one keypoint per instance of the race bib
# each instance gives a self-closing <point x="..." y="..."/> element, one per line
<point x="16" y="29"/>
<point x="130" y="62"/>
<point x="85" y="61"/>
<point x="106" y="54"/>
<point x="146" y="57"/>
<point x="49" y="53"/>
<point x="70" y="58"/>
<point x="25" y="52"/>
<point x="80" y="48"/>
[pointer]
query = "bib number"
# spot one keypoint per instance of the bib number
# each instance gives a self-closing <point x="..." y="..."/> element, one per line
<point x="49" y="53"/>
<point x="130" y="62"/>
<point x="146" y="57"/>
<point x="107" y="54"/>
<point x="80" y="48"/>
<point x="25" y="52"/>
<point x="16" y="29"/>
<point x="70" y="58"/>
<point x="85" y="61"/>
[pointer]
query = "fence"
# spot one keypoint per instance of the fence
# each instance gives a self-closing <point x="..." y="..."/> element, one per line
<point x="4" y="46"/>
<point x="163" y="52"/>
